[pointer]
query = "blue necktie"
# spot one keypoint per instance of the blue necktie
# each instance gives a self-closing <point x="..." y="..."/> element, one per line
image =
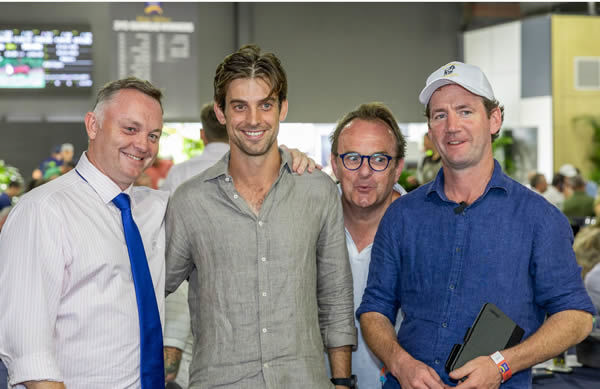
<point x="151" y="353"/>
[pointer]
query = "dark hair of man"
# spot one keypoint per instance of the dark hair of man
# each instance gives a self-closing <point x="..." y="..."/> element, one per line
<point x="371" y="112"/>
<point x="15" y="184"/>
<point x="490" y="106"/>
<point x="576" y="182"/>
<point x="535" y="180"/>
<point x="248" y="62"/>
<point x="213" y="130"/>
<point x="108" y="91"/>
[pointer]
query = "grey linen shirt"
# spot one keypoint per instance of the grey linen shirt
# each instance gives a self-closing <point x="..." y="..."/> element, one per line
<point x="266" y="292"/>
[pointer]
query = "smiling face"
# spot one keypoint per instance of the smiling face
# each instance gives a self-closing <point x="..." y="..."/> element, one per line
<point x="365" y="188"/>
<point x="252" y="116"/>
<point x="124" y="137"/>
<point x="460" y="128"/>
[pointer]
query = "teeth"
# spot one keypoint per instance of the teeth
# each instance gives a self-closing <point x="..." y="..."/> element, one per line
<point x="454" y="143"/>
<point x="133" y="157"/>
<point x="254" y="133"/>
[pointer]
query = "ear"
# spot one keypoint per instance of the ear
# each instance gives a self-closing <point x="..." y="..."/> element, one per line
<point x="398" y="169"/>
<point x="283" y="111"/>
<point x="495" y="121"/>
<point x="203" y="136"/>
<point x="91" y="125"/>
<point x="333" y="160"/>
<point x="219" y="113"/>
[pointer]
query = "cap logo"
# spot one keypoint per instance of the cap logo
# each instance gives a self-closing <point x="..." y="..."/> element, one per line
<point x="449" y="70"/>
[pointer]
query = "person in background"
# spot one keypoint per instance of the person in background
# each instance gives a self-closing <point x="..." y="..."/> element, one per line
<point x="81" y="255"/>
<point x="538" y="183"/>
<point x="367" y="156"/>
<point x="264" y="250"/>
<point x="54" y="160"/>
<point x="431" y="162"/>
<point x="554" y="191"/>
<point x="13" y="190"/>
<point x="578" y="205"/>
<point x="67" y="152"/>
<point x="471" y="236"/>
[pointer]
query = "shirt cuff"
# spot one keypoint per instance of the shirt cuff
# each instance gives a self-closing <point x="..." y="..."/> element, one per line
<point x="174" y="342"/>
<point x="33" y="367"/>
<point x="338" y="337"/>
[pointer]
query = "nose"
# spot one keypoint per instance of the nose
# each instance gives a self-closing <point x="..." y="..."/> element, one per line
<point x="141" y="142"/>
<point x="364" y="170"/>
<point x="253" y="116"/>
<point x="452" y="121"/>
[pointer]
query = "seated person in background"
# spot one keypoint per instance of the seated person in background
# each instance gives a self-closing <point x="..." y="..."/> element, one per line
<point x="587" y="248"/>
<point x="592" y="285"/>
<point x="578" y="204"/>
<point x="538" y="183"/>
<point x="554" y="192"/>
<point x="55" y="159"/>
<point x="6" y="198"/>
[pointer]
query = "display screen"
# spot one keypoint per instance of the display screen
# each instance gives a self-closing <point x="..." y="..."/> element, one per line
<point x="46" y="58"/>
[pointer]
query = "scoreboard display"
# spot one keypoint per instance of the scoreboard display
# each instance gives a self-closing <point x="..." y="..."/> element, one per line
<point x="46" y="58"/>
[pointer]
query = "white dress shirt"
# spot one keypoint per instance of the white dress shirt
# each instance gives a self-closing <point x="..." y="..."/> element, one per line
<point x="69" y="310"/>
<point x="178" y="331"/>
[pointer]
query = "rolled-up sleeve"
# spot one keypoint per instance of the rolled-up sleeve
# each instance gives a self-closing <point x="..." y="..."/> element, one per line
<point x="32" y="271"/>
<point x="553" y="250"/>
<point x="383" y="284"/>
<point x="334" y="279"/>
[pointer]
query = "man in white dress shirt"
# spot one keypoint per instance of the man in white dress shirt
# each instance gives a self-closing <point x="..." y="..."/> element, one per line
<point x="69" y="312"/>
<point x="178" y="338"/>
<point x="367" y="156"/>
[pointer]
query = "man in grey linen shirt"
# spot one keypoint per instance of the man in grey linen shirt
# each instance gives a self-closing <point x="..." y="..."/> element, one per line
<point x="69" y="311"/>
<point x="367" y="156"/>
<point x="178" y="337"/>
<point x="264" y="249"/>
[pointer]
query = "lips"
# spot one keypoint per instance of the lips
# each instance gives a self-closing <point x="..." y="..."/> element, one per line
<point x="133" y="157"/>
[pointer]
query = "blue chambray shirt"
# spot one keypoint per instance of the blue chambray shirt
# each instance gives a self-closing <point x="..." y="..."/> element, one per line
<point x="510" y="247"/>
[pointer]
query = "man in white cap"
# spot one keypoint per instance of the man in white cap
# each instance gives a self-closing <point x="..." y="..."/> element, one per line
<point x="471" y="236"/>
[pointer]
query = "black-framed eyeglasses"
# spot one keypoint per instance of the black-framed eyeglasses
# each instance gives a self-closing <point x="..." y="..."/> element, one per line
<point x="377" y="162"/>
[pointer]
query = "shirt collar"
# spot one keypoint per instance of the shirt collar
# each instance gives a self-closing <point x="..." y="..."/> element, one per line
<point x="106" y="188"/>
<point x="499" y="180"/>
<point x="221" y="168"/>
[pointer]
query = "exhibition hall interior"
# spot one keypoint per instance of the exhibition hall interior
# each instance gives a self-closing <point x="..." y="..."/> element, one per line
<point x="542" y="59"/>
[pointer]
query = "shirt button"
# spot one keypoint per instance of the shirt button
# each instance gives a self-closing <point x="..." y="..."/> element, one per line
<point x="264" y="294"/>
<point x="266" y="365"/>
<point x="444" y="324"/>
<point x="437" y="361"/>
<point x="263" y="259"/>
<point x="235" y="196"/>
<point x="226" y="179"/>
<point x="451" y="286"/>
<point x="264" y="330"/>
<point x="260" y="223"/>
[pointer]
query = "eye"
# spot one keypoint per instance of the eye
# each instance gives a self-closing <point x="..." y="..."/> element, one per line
<point x="439" y="116"/>
<point x="379" y="158"/>
<point x="130" y="129"/>
<point x="466" y="112"/>
<point x="238" y="107"/>
<point x="266" y="106"/>
<point x="154" y="138"/>
<point x="352" y="157"/>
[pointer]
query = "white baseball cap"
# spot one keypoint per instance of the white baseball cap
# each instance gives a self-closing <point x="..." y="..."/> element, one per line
<point x="469" y="77"/>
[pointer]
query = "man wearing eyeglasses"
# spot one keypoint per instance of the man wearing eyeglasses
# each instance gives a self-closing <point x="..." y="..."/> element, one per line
<point x="367" y="156"/>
